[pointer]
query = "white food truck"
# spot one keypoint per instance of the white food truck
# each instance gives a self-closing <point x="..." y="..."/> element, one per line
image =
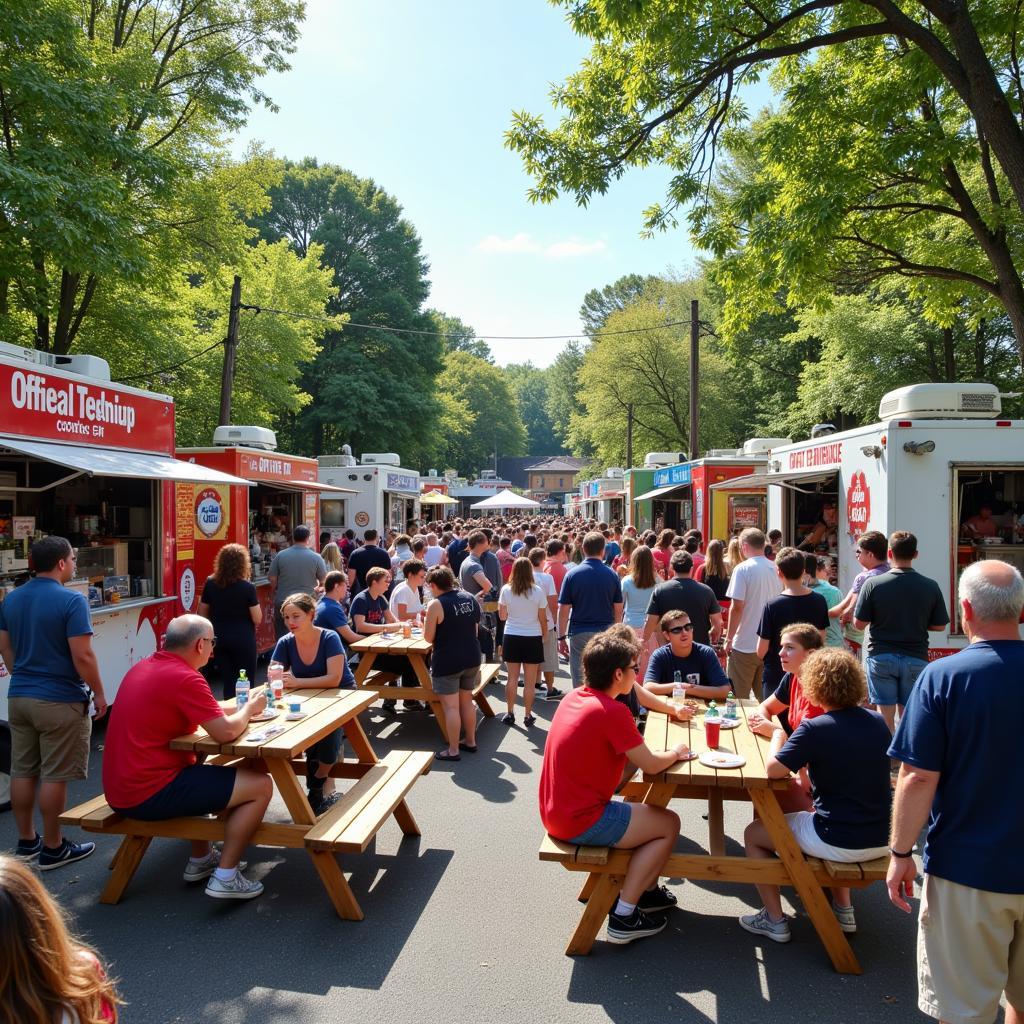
<point x="939" y="455"/>
<point x="387" y="496"/>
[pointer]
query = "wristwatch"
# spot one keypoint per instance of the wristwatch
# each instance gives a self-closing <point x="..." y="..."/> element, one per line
<point x="902" y="856"/>
<point x="561" y="638"/>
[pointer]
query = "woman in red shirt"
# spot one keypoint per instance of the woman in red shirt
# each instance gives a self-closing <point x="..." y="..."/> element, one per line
<point x="593" y="746"/>
<point x="663" y="553"/>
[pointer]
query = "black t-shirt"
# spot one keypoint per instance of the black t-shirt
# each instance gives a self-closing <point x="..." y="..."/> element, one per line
<point x="778" y="613"/>
<point x="229" y="611"/>
<point x="456" y="645"/>
<point x="457" y="552"/>
<point x="364" y="559"/>
<point x="718" y="584"/>
<point x="900" y="605"/>
<point x="848" y="764"/>
<point x="697" y="600"/>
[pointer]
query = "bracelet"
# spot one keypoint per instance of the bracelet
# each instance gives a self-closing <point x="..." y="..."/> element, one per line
<point x="562" y="638"/>
<point x="902" y="856"/>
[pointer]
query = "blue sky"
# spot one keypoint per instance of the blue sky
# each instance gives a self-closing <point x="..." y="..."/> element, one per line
<point x="417" y="96"/>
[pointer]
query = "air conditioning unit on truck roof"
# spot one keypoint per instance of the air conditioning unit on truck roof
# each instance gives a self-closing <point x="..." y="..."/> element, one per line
<point x="942" y="401"/>
<point x="664" y="458"/>
<point x="763" y="445"/>
<point x="245" y="437"/>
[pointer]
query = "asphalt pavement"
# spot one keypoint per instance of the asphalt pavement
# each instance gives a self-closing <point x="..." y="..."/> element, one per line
<point x="464" y="924"/>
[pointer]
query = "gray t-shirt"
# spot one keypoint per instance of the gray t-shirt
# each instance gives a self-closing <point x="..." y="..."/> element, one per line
<point x="297" y="570"/>
<point x="492" y="570"/>
<point x="469" y="568"/>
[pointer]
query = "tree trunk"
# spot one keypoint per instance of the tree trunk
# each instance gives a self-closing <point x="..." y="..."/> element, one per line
<point x="948" y="354"/>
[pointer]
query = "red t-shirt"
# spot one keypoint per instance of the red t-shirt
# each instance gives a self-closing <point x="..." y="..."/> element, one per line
<point x="800" y="708"/>
<point x="557" y="571"/>
<point x="662" y="561"/>
<point x="584" y="758"/>
<point x="160" y="699"/>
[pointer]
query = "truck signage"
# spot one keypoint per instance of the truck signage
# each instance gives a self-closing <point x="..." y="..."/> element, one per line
<point x="858" y="504"/>
<point x="830" y="454"/>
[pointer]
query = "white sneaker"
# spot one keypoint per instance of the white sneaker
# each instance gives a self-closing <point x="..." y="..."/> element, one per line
<point x="761" y="924"/>
<point x="237" y="888"/>
<point x="196" y="872"/>
<point x="846" y="918"/>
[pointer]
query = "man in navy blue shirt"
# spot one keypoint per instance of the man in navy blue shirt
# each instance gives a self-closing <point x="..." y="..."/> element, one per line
<point x="46" y="644"/>
<point x="963" y="772"/>
<point x="330" y="611"/>
<point x="362" y="560"/>
<point x="589" y="602"/>
<point x="697" y="664"/>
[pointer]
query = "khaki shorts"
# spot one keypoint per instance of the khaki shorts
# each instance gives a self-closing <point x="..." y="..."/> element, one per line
<point x="448" y="686"/>
<point x="49" y="739"/>
<point x="970" y="949"/>
<point x="550" y="663"/>
<point x="744" y="672"/>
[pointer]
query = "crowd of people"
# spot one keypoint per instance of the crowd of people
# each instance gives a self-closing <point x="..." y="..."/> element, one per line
<point x="636" y="615"/>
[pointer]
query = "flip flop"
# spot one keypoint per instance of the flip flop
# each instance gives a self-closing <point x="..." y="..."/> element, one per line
<point x="467" y="747"/>
<point x="443" y="755"/>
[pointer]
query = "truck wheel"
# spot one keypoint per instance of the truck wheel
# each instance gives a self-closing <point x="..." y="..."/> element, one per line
<point x="5" y="767"/>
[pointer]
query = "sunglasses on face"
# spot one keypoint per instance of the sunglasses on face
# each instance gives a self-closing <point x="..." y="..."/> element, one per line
<point x="675" y="630"/>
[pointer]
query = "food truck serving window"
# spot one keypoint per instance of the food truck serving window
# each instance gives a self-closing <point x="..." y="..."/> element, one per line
<point x="988" y="520"/>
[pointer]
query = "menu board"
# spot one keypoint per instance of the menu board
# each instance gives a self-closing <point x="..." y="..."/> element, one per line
<point x="184" y="513"/>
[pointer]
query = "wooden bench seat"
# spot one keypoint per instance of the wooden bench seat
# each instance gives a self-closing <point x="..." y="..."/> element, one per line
<point x="350" y="825"/>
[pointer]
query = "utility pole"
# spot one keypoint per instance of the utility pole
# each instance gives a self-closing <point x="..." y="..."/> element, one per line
<point x="629" y="435"/>
<point x="227" y="379"/>
<point x="694" y="379"/>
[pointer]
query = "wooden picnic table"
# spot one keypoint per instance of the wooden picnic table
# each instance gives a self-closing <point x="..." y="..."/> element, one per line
<point x="693" y="780"/>
<point x="415" y="650"/>
<point x="348" y="826"/>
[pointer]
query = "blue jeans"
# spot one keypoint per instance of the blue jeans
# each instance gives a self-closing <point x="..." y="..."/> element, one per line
<point x="609" y="828"/>
<point x="577" y="641"/>
<point x="891" y="677"/>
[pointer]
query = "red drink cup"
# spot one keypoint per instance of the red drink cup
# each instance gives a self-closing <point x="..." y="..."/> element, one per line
<point x="712" y="731"/>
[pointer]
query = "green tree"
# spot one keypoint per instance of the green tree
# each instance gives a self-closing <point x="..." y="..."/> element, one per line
<point x="600" y="303"/>
<point x="372" y="388"/>
<point x="663" y="84"/>
<point x="484" y="413"/>
<point x="529" y="384"/>
<point x="112" y="115"/>
<point x="458" y="336"/>
<point x="563" y="395"/>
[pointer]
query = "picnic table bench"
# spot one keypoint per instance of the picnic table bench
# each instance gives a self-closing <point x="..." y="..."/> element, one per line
<point x="379" y="792"/>
<point x="415" y="649"/>
<point x="606" y="866"/>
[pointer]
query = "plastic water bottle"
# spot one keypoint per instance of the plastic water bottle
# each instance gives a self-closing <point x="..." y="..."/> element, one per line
<point x="712" y="711"/>
<point x="731" y="707"/>
<point x="242" y="690"/>
<point x="678" y="690"/>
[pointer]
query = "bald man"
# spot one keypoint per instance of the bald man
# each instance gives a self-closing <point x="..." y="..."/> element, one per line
<point x="962" y="728"/>
<point x="162" y="697"/>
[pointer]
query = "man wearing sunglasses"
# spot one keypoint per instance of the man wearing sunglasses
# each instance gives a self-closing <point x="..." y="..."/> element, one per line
<point x="697" y="664"/>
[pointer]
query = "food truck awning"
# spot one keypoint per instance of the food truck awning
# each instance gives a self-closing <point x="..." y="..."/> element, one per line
<point x="790" y="480"/>
<point x="313" y="485"/>
<point x="661" y="492"/>
<point x="108" y="462"/>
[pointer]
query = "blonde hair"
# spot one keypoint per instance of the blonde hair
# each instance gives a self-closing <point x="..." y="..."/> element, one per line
<point x="733" y="554"/>
<point x="45" y="972"/>
<point x="331" y="554"/>
<point x="833" y="678"/>
<point x="641" y="568"/>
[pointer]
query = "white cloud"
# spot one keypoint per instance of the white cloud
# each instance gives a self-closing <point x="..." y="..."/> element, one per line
<point x="573" y="247"/>
<point x="523" y="242"/>
<point x="517" y="243"/>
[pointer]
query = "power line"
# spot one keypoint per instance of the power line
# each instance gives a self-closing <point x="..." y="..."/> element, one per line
<point x="150" y="374"/>
<point x="476" y="337"/>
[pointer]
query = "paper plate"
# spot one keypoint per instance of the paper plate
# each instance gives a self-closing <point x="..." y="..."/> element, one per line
<point x="731" y="723"/>
<point x="722" y="759"/>
<point x="294" y="716"/>
<point x="267" y="715"/>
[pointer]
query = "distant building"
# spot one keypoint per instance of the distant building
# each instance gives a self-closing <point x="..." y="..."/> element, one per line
<point x="550" y="480"/>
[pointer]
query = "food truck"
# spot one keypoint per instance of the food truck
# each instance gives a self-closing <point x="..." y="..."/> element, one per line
<point x="939" y="455"/>
<point x="383" y="494"/>
<point x="92" y="460"/>
<point x="273" y="494"/>
<point x="714" y="494"/>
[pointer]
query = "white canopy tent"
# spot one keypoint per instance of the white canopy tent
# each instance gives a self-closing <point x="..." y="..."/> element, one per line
<point x="506" y="499"/>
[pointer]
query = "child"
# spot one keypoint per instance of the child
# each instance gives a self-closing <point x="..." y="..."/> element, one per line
<point x="47" y="975"/>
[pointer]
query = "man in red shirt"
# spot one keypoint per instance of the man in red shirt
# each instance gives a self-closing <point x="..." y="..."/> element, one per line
<point x="555" y="566"/>
<point x="593" y="746"/>
<point x="163" y="697"/>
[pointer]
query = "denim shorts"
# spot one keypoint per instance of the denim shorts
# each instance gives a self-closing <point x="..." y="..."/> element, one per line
<point x="891" y="677"/>
<point x="198" y="789"/>
<point x="609" y="828"/>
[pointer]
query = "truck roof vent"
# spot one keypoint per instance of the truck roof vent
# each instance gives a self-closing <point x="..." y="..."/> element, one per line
<point x="664" y="458"/>
<point x="245" y="437"/>
<point x="763" y="445"/>
<point x="381" y="459"/>
<point x="941" y="401"/>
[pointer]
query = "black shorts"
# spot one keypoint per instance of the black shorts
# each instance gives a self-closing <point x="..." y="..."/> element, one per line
<point x="523" y="650"/>
<point x="198" y="789"/>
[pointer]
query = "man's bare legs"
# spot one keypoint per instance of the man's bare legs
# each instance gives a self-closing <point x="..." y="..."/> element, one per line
<point x="651" y="835"/>
<point x="248" y="804"/>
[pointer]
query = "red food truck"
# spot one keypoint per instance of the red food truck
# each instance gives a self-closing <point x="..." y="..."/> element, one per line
<point x="275" y="493"/>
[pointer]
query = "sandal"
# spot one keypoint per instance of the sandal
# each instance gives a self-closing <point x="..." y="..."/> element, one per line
<point x="467" y="747"/>
<point x="443" y="755"/>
